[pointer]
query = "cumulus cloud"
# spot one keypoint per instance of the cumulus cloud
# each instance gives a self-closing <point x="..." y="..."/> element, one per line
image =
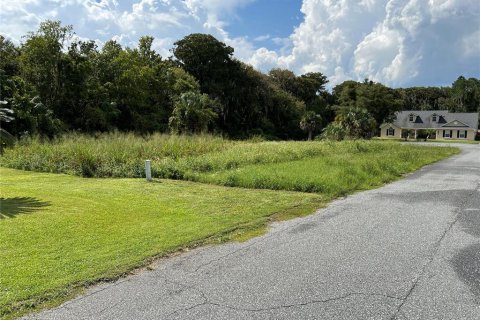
<point x="397" y="42"/>
<point x="166" y="20"/>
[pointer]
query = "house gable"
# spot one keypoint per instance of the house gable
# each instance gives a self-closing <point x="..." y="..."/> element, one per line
<point x="455" y="124"/>
<point x="418" y="120"/>
<point x="389" y="125"/>
<point x="441" y="119"/>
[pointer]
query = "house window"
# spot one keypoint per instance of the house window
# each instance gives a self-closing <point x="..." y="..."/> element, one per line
<point x="434" y="118"/>
<point x="447" y="133"/>
<point x="462" y="134"/>
<point x="390" y="131"/>
<point x="410" y="118"/>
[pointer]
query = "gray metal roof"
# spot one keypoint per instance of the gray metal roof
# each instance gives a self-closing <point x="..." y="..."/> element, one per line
<point x="445" y="119"/>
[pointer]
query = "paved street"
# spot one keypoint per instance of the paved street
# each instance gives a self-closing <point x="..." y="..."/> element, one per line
<point x="409" y="250"/>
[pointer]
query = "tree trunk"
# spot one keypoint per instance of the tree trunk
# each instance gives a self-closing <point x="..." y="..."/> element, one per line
<point x="310" y="135"/>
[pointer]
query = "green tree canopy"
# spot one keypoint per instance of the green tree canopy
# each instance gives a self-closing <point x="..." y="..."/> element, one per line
<point x="310" y="122"/>
<point x="192" y="113"/>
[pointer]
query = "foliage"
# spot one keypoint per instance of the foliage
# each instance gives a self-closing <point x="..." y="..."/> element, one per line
<point x="310" y="122"/>
<point x="31" y="115"/>
<point x="192" y="113"/>
<point x="334" y="131"/>
<point x="5" y="116"/>
<point x="462" y="96"/>
<point x="378" y="100"/>
<point x="81" y="87"/>
<point x="356" y="122"/>
<point x="309" y="88"/>
<point x="249" y="103"/>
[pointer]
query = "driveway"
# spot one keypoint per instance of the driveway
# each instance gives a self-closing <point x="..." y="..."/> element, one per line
<point x="409" y="250"/>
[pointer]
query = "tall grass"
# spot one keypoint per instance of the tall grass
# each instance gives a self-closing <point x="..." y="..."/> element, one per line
<point x="107" y="155"/>
<point x="332" y="168"/>
<point x="340" y="170"/>
<point x="178" y="157"/>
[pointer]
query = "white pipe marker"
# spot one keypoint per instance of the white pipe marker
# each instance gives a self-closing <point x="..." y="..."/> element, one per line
<point x="148" y="170"/>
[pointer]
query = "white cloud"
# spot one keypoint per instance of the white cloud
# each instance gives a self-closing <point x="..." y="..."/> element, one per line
<point x="262" y="38"/>
<point x="398" y="42"/>
<point x="471" y="44"/>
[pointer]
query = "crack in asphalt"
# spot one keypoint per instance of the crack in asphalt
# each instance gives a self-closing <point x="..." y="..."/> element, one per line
<point x="206" y="301"/>
<point x="293" y="305"/>
<point x="436" y="248"/>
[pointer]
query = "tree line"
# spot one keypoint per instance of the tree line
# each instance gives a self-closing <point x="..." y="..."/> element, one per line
<point x="52" y="83"/>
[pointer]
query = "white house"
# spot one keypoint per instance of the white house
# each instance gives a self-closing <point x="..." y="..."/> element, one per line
<point x="447" y="125"/>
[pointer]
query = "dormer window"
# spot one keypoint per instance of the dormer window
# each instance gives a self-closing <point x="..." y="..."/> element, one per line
<point x="410" y="118"/>
<point x="434" y="118"/>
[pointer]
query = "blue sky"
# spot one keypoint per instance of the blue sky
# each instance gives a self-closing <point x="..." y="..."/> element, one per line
<point x="397" y="42"/>
<point x="261" y="23"/>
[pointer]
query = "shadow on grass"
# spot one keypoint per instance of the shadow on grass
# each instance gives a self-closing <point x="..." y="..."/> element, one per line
<point x="10" y="207"/>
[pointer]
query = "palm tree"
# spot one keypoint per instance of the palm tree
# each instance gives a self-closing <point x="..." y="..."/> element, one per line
<point x="310" y="122"/>
<point x="357" y="122"/>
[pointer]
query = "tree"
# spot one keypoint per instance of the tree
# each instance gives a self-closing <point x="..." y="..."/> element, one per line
<point x="356" y="122"/>
<point x="9" y="55"/>
<point x="310" y="122"/>
<point x="5" y="116"/>
<point x="466" y="94"/>
<point x="207" y="59"/>
<point x="286" y="79"/>
<point x="193" y="113"/>
<point x="334" y="131"/>
<point x="42" y="61"/>
<point x="380" y="101"/>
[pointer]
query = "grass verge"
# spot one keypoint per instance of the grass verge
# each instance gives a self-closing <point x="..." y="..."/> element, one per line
<point x="61" y="233"/>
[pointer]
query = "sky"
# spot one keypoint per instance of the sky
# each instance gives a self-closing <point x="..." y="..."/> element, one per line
<point x="400" y="43"/>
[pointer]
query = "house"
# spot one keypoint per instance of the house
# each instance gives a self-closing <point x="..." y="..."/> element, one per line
<point x="444" y="124"/>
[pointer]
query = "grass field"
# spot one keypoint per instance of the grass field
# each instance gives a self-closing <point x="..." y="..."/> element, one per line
<point x="60" y="233"/>
<point x="188" y="157"/>
<point x="342" y="169"/>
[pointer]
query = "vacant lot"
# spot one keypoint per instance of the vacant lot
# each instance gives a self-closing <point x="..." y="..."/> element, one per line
<point x="213" y="159"/>
<point x="342" y="169"/>
<point x="60" y="233"/>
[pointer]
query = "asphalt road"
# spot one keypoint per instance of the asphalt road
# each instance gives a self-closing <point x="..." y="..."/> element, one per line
<point x="409" y="250"/>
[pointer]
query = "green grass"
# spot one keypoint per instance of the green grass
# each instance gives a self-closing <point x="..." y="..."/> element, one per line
<point x="106" y="155"/>
<point x="429" y="140"/>
<point x="60" y="233"/>
<point x="174" y="157"/>
<point x="456" y="141"/>
<point x="74" y="231"/>
<point x="335" y="173"/>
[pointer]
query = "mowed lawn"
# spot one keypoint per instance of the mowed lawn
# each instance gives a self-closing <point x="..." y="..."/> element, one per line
<point x="60" y="232"/>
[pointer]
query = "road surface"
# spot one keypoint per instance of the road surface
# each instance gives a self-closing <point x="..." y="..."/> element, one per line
<point x="408" y="250"/>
